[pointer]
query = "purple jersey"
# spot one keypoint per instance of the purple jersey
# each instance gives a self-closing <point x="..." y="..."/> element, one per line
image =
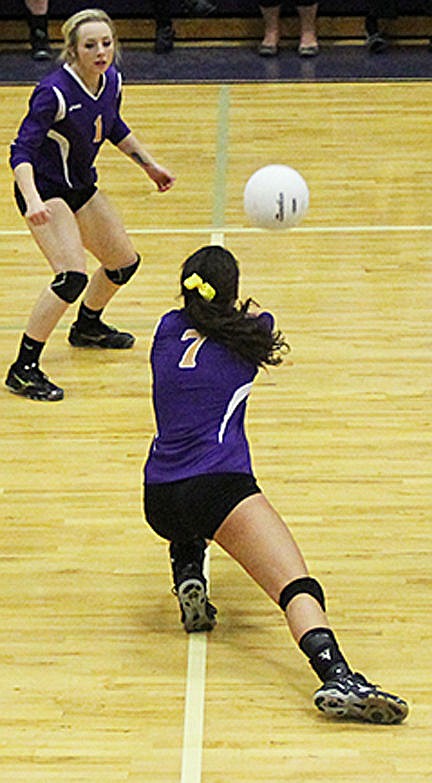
<point x="65" y="127"/>
<point x="200" y="391"/>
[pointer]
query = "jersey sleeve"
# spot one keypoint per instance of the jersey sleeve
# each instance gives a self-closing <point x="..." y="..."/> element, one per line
<point x="119" y="130"/>
<point x="42" y="113"/>
<point x="266" y="320"/>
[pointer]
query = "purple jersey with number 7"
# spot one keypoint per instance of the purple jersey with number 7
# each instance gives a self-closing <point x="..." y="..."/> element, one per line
<point x="65" y="126"/>
<point x="200" y="391"/>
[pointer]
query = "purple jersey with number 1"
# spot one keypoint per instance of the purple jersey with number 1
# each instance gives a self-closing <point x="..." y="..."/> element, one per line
<point x="200" y="391"/>
<point x="65" y="126"/>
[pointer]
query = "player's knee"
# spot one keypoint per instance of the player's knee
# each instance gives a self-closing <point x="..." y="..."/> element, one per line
<point x="305" y="584"/>
<point x="69" y="285"/>
<point x="124" y="274"/>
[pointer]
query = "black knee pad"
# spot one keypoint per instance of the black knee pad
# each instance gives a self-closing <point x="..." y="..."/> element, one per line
<point x="304" y="584"/>
<point x="124" y="274"/>
<point x="69" y="285"/>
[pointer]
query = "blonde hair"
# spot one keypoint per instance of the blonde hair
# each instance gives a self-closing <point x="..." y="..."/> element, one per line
<point x="71" y="27"/>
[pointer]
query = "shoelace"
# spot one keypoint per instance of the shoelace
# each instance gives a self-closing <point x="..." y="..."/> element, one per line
<point x="360" y="680"/>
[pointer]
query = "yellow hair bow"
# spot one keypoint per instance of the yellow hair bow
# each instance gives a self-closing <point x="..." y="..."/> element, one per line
<point x="204" y="289"/>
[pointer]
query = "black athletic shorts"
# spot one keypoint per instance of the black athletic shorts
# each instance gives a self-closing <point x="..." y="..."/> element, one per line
<point x="75" y="199"/>
<point x="180" y="510"/>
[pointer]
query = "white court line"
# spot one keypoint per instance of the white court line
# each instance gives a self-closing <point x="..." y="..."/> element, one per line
<point x="193" y="731"/>
<point x="251" y="230"/>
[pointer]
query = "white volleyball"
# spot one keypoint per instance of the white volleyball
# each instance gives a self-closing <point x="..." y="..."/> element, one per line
<point x="276" y="197"/>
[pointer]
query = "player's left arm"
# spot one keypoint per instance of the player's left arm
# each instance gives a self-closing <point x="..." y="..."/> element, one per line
<point x="135" y="150"/>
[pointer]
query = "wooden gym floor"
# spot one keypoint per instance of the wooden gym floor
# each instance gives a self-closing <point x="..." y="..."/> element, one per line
<point x="98" y="681"/>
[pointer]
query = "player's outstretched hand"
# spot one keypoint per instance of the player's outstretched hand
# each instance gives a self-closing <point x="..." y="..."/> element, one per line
<point x="162" y="177"/>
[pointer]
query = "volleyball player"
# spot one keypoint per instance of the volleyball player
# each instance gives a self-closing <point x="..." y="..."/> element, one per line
<point x="72" y="112"/>
<point x="199" y="484"/>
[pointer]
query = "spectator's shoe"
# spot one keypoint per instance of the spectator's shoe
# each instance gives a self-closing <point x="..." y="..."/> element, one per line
<point x="199" y="7"/>
<point x="99" y="335"/>
<point x="164" y="40"/>
<point x="268" y="50"/>
<point x="197" y="613"/>
<point x="40" y="46"/>
<point x="29" y="381"/>
<point x="308" y="50"/>
<point x="352" y="696"/>
<point x="377" y="43"/>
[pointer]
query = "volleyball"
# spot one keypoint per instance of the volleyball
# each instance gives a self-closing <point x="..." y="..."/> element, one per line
<point x="276" y="197"/>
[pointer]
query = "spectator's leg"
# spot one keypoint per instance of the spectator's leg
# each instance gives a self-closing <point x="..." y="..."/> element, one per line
<point x="376" y="41"/>
<point x="427" y="11"/>
<point x="164" y="37"/>
<point x="308" y="46"/>
<point x="270" y="43"/>
<point x="37" y="19"/>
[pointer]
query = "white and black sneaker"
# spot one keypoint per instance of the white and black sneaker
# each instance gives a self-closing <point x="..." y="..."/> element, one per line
<point x="352" y="696"/>
<point x="29" y="381"/>
<point x="197" y="613"/>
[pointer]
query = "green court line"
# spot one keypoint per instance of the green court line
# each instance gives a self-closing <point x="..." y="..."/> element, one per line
<point x="219" y="188"/>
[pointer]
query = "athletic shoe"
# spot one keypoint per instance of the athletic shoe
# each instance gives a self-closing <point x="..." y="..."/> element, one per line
<point x="308" y="50"/>
<point x="197" y="613"/>
<point x="40" y="45"/>
<point x="199" y="7"/>
<point x="268" y="50"/>
<point x="164" y="41"/>
<point x="376" y="43"/>
<point x="29" y="381"/>
<point x="352" y="696"/>
<point x="100" y="335"/>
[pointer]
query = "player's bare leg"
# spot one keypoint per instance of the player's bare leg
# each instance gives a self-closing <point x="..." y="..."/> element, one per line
<point x="60" y="241"/>
<point x="104" y="236"/>
<point x="256" y="536"/>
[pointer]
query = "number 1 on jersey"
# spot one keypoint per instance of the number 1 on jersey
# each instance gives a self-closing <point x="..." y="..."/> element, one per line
<point x="98" y="129"/>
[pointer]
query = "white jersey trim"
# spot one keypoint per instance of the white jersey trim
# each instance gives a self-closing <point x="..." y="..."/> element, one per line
<point x="64" y="152"/>
<point x="239" y="395"/>
<point x="73" y="73"/>
<point x="61" y="104"/>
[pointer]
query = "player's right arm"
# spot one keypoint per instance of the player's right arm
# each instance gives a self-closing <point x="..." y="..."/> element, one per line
<point x="43" y="110"/>
<point x="37" y="212"/>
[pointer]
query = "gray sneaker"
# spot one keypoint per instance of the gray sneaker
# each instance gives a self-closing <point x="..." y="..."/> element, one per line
<point x="197" y="613"/>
